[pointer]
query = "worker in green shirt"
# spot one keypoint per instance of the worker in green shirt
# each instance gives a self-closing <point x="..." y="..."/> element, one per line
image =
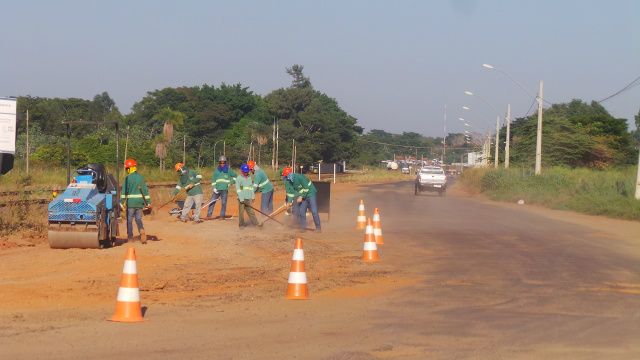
<point x="261" y="183"/>
<point x="135" y="197"/>
<point x="301" y="191"/>
<point x="246" y="197"/>
<point x="190" y="180"/>
<point x="222" y="177"/>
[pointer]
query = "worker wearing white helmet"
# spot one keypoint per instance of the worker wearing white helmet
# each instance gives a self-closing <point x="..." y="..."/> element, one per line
<point x="222" y="177"/>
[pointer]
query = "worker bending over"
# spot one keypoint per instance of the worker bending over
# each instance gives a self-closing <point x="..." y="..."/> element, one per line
<point x="246" y="197"/>
<point x="261" y="183"/>
<point x="190" y="180"/>
<point x="300" y="190"/>
<point x="134" y="197"/>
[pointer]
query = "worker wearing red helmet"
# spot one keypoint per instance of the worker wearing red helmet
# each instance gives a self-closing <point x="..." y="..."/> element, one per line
<point x="261" y="183"/>
<point x="301" y="191"/>
<point x="190" y="181"/>
<point x="134" y="197"/>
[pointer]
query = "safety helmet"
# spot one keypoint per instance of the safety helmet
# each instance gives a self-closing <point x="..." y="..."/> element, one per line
<point x="179" y="166"/>
<point x="285" y="171"/>
<point x="251" y="164"/>
<point x="222" y="158"/>
<point x="129" y="163"/>
<point x="244" y="168"/>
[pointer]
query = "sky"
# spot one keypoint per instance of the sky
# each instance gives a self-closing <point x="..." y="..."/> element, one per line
<point x="398" y="66"/>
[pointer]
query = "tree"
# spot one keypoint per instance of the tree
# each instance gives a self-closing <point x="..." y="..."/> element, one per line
<point x="299" y="80"/>
<point x="574" y="134"/>
<point x="171" y="119"/>
<point x="635" y="134"/>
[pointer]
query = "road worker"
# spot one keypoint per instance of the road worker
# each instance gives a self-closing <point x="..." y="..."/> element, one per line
<point x="134" y="197"/>
<point x="261" y="183"/>
<point x="301" y="191"/>
<point x="246" y="196"/>
<point x="190" y="180"/>
<point x="222" y="177"/>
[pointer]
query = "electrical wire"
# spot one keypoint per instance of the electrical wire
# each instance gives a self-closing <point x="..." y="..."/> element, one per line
<point x="626" y="88"/>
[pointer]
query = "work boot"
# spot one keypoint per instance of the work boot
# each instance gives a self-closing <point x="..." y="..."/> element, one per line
<point x="143" y="236"/>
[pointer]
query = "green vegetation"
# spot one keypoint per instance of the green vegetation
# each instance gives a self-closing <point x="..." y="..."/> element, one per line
<point x="199" y="123"/>
<point x="609" y="193"/>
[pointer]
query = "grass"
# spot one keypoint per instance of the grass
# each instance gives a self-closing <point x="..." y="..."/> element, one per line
<point x="608" y="193"/>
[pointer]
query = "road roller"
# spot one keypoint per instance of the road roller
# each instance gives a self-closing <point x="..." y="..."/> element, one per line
<point x="85" y="215"/>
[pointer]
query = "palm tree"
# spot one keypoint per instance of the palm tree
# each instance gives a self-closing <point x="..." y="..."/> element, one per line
<point x="161" y="144"/>
<point x="170" y="118"/>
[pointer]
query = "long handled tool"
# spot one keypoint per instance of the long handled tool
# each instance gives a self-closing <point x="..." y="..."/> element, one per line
<point x="275" y="213"/>
<point x="208" y="203"/>
<point x="146" y="209"/>
<point x="267" y="215"/>
<point x="173" y="198"/>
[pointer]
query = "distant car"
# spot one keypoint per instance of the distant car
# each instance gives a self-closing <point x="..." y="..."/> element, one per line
<point x="405" y="170"/>
<point x="431" y="178"/>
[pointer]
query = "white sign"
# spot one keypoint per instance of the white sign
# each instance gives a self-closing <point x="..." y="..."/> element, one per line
<point x="8" y="110"/>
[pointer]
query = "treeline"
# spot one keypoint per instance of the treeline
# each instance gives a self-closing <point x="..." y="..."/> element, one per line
<point x="203" y="122"/>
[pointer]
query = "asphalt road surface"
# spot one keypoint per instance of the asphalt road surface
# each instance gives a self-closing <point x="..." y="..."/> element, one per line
<point x="459" y="278"/>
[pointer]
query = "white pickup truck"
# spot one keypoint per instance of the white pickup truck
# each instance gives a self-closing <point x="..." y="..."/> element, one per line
<point x="431" y="178"/>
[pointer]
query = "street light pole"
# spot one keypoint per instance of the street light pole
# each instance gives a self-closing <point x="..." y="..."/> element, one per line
<point x="538" y="168"/>
<point x="638" y="178"/>
<point x="497" y="141"/>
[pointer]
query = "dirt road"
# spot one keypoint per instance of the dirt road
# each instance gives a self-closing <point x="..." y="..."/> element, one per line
<point x="460" y="278"/>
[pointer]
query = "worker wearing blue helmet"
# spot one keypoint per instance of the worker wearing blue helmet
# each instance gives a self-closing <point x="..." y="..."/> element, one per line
<point x="246" y="197"/>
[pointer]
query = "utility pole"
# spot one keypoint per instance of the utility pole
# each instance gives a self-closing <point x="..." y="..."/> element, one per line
<point x="506" y="148"/>
<point x="444" y="142"/>
<point x="497" y="141"/>
<point x="126" y="145"/>
<point x="27" y="142"/>
<point x="293" y="155"/>
<point x="487" y="150"/>
<point x="539" y="137"/>
<point x="273" y="151"/>
<point x="638" y="179"/>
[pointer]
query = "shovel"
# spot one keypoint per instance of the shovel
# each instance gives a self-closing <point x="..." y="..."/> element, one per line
<point x="269" y="217"/>
<point x="146" y="210"/>
<point x="273" y="214"/>
<point x="173" y="198"/>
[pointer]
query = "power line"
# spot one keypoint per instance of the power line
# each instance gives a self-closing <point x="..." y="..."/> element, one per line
<point x="628" y="87"/>
<point x="404" y="146"/>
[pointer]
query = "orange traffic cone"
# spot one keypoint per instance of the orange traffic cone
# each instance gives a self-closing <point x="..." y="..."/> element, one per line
<point x="297" y="286"/>
<point x="370" y="253"/>
<point x="362" y="220"/>
<point x="128" y="304"/>
<point x="377" y="230"/>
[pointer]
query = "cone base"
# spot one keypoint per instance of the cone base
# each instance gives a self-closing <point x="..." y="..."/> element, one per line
<point x="297" y="292"/>
<point x="372" y="257"/>
<point x="127" y="312"/>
